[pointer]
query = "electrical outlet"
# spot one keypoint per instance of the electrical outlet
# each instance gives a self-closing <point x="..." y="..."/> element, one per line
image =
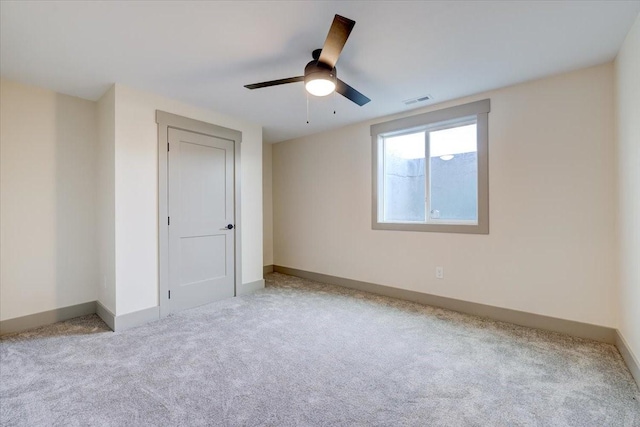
<point x="439" y="273"/>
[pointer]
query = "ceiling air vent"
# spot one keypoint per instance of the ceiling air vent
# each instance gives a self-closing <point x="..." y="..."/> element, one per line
<point x="417" y="100"/>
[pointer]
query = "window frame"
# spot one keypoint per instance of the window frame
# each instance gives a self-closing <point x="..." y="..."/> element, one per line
<point x="431" y="121"/>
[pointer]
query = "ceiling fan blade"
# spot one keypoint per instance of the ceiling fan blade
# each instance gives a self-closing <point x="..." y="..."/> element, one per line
<point x="275" y="82"/>
<point x="350" y="93"/>
<point x="336" y="39"/>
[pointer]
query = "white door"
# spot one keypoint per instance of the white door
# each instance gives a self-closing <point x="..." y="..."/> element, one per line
<point x="201" y="219"/>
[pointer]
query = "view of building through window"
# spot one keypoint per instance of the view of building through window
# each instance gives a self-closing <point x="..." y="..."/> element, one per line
<point x="445" y="189"/>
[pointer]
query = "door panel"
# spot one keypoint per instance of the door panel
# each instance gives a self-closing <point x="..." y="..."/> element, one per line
<point x="201" y="204"/>
<point x="195" y="266"/>
<point x="203" y="183"/>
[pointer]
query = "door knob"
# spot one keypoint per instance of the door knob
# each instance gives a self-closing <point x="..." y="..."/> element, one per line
<point x="228" y="227"/>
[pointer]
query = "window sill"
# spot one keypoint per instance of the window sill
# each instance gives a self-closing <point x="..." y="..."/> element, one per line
<point x="433" y="228"/>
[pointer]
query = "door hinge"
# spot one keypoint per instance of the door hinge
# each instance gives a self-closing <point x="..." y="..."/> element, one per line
<point x="168" y="220"/>
<point x="169" y="294"/>
<point x="167" y="146"/>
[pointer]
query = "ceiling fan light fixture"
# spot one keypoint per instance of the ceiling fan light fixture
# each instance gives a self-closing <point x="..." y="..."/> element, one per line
<point x="320" y="87"/>
<point x="318" y="79"/>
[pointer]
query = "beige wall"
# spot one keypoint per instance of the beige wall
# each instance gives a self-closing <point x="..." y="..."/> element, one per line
<point x="136" y="194"/>
<point x="106" y="201"/>
<point x="267" y="203"/>
<point x="79" y="198"/>
<point x="48" y="151"/>
<point x="628" y="135"/>
<point x="552" y="247"/>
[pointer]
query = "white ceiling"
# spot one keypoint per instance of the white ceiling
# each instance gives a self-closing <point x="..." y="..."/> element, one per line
<point x="203" y="53"/>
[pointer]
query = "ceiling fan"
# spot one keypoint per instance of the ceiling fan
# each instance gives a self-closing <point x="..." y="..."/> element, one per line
<point x="320" y="75"/>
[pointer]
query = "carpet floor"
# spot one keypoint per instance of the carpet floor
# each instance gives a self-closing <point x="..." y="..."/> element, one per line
<point x="301" y="353"/>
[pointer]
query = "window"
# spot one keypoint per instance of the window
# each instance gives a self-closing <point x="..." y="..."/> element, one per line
<point x="430" y="171"/>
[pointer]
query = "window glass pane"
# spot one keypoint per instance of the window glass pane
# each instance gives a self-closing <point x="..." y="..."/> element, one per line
<point x="453" y="174"/>
<point x="404" y="178"/>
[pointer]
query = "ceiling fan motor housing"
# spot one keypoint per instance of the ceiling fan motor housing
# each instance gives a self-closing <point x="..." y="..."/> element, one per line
<point x="317" y="70"/>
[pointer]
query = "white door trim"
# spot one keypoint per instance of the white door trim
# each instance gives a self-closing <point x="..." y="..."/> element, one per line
<point x="165" y="121"/>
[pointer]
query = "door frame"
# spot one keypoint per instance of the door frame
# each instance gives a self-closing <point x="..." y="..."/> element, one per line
<point x="165" y="122"/>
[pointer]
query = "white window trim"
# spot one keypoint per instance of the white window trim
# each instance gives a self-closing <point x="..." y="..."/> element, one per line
<point x="479" y="110"/>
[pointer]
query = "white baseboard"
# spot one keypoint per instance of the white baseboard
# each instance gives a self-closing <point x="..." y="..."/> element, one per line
<point x="129" y="320"/>
<point x="46" y="317"/>
<point x="630" y="359"/>
<point x="106" y="315"/>
<point x="247" y="288"/>
<point x="137" y="318"/>
<point x="115" y="323"/>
